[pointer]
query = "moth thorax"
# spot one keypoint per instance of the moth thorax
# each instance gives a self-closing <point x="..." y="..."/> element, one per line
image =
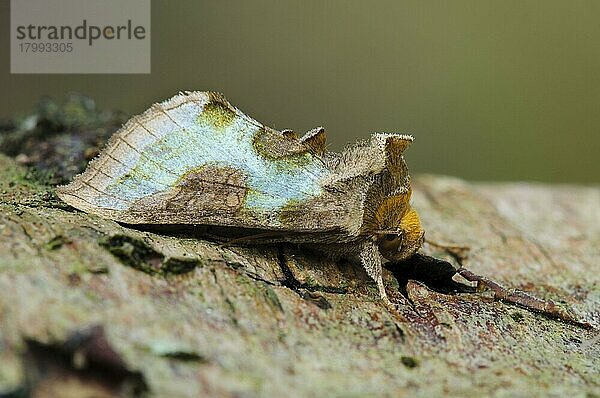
<point x="391" y="211"/>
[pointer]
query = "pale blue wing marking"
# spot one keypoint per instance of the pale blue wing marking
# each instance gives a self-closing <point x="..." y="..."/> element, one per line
<point x="187" y="144"/>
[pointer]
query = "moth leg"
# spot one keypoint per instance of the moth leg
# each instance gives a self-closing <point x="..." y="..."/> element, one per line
<point x="521" y="298"/>
<point x="459" y="252"/>
<point x="370" y="259"/>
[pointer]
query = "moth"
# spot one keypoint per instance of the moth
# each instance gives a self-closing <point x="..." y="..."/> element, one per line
<point x="197" y="160"/>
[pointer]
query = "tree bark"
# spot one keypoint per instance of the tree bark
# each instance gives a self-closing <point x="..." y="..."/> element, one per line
<point x="89" y="306"/>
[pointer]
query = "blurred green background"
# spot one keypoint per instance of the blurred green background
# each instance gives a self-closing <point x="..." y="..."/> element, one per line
<point x="491" y="90"/>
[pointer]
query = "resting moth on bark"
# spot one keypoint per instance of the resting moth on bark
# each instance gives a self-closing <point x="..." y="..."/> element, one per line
<point x="197" y="160"/>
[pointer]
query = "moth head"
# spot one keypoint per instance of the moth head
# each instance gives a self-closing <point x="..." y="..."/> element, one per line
<point x="400" y="234"/>
<point x="400" y="244"/>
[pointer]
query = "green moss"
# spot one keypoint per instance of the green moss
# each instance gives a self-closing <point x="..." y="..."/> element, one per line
<point x="179" y="265"/>
<point x="517" y="316"/>
<point x="56" y="243"/>
<point x="78" y="267"/>
<point x="409" y="362"/>
<point x="16" y="177"/>
<point x="139" y="255"/>
<point x="134" y="253"/>
<point x="272" y="298"/>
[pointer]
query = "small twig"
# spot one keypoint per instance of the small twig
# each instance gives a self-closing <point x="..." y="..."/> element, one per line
<point x="523" y="299"/>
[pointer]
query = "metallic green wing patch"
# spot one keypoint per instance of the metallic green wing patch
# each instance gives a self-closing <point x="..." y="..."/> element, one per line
<point x="153" y="152"/>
